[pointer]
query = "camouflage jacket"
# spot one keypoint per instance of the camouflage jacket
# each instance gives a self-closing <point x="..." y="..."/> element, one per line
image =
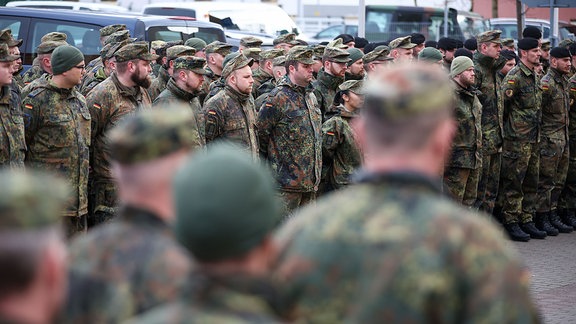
<point x="555" y="105"/>
<point x="572" y="113"/>
<point x="95" y="63"/>
<point x="289" y="130"/>
<point x="57" y="130"/>
<point x="12" y="142"/>
<point x="208" y="79"/>
<point x="17" y="78"/>
<point x="90" y="83"/>
<point x="350" y="76"/>
<point x="522" y="102"/>
<point x="108" y="103"/>
<point x="138" y="250"/>
<point x="264" y="91"/>
<point x="325" y="88"/>
<point x="260" y="77"/>
<point x="215" y="87"/>
<point x="230" y="116"/>
<point x="341" y="155"/>
<point x="467" y="142"/>
<point x="490" y="88"/>
<point x="173" y="93"/>
<point x="216" y="300"/>
<point x="158" y="83"/>
<point x="392" y="249"/>
<point x="33" y="73"/>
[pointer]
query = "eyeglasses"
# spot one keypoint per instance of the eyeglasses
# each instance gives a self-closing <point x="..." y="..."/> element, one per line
<point x="81" y="67"/>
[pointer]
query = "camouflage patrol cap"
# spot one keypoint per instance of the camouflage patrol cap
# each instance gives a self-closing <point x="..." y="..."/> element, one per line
<point x="155" y="44"/>
<point x="118" y="37"/>
<point x="233" y="62"/>
<point x="334" y="54"/>
<point x="31" y="200"/>
<point x="319" y="51"/>
<point x="135" y="51"/>
<point x="402" y="42"/>
<point x="566" y="42"/>
<point x="271" y="54"/>
<point x="380" y="53"/>
<point x="218" y="47"/>
<point x="152" y="134"/>
<point x="545" y="46"/>
<point x="111" y="49"/>
<point x="214" y="231"/>
<point x="49" y="46"/>
<point x="54" y="36"/>
<point x="508" y="42"/>
<point x="6" y="37"/>
<point x="279" y="61"/>
<point x="337" y="43"/>
<point x="356" y="86"/>
<point x="251" y="41"/>
<point x="197" y="43"/>
<point x="492" y="36"/>
<point x="179" y="50"/>
<point x="5" y="55"/>
<point x="111" y="29"/>
<point x="190" y="63"/>
<point x="289" y="38"/>
<point x="405" y="91"/>
<point x="253" y="53"/>
<point x="302" y="54"/>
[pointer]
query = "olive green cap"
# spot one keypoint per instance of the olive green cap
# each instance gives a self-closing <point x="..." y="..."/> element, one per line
<point x="318" y="51"/>
<point x="566" y="42"/>
<point x="49" y="46"/>
<point x="405" y="91"/>
<point x="507" y="42"/>
<point x="218" y="47"/>
<point x="54" y="36"/>
<point x="430" y="54"/>
<point x="253" y="53"/>
<point x="459" y="65"/>
<point x="545" y="46"/>
<point x="190" y="63"/>
<point x="233" y="62"/>
<point x="210" y="229"/>
<point x="380" y="53"/>
<point x="152" y="134"/>
<point x="6" y="37"/>
<point x="402" y="42"/>
<point x="492" y="36"/>
<point x="356" y="86"/>
<point x="195" y="42"/>
<point x="31" y="200"/>
<point x="111" y="29"/>
<point x="135" y="51"/>
<point x="302" y="54"/>
<point x="289" y="38"/>
<point x="5" y="55"/>
<point x="179" y="50"/>
<point x="279" y="61"/>
<point x="337" y="43"/>
<point x="271" y="53"/>
<point x="334" y="54"/>
<point x="251" y="41"/>
<point x="355" y="55"/>
<point x="118" y="37"/>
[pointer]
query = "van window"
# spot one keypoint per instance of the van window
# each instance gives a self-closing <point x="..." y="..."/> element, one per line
<point x="167" y="33"/>
<point x="84" y="36"/>
<point x="12" y="24"/>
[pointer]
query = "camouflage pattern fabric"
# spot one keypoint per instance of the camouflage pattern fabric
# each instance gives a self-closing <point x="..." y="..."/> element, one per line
<point x="325" y="88"/>
<point x="42" y="81"/>
<point x="215" y="87"/>
<point x="173" y="94"/>
<point x="391" y="249"/>
<point x="230" y="116"/>
<point x="263" y="92"/>
<point x="17" y="78"/>
<point x="568" y="195"/>
<point x="209" y="77"/>
<point x="89" y="83"/>
<point x="158" y="266"/>
<point x="33" y="73"/>
<point x="57" y="130"/>
<point x="260" y="76"/>
<point x="12" y="142"/>
<point x="158" y="83"/>
<point x="462" y="184"/>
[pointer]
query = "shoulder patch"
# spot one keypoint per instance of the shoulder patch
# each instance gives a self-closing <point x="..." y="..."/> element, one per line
<point x="35" y="92"/>
<point x="211" y="112"/>
<point x="330" y="133"/>
<point x="511" y="81"/>
<point x="545" y="87"/>
<point x="97" y="106"/>
<point x="28" y="106"/>
<point x="509" y="92"/>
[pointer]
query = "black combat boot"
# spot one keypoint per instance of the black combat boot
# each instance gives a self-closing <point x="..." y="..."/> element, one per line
<point x="515" y="233"/>
<point x="543" y="224"/>
<point x="567" y="216"/>
<point x="531" y="230"/>
<point x="556" y="222"/>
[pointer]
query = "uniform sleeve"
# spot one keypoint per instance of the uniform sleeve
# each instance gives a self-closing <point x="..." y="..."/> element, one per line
<point x="509" y="86"/>
<point x="331" y="138"/>
<point x="213" y="120"/>
<point x="32" y="117"/>
<point x="547" y="89"/>
<point x="97" y="113"/>
<point x="268" y="118"/>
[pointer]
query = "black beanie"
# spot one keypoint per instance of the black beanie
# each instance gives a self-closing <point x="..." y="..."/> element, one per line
<point x="559" y="52"/>
<point x="471" y="44"/>
<point x="361" y="42"/>
<point x="508" y="55"/>
<point x="431" y="43"/>
<point x="527" y="43"/>
<point x="463" y="52"/>
<point x="447" y="43"/>
<point x="417" y="38"/>
<point x="532" y="32"/>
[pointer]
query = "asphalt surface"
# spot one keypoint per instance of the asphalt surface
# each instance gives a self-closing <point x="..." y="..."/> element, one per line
<point x="552" y="262"/>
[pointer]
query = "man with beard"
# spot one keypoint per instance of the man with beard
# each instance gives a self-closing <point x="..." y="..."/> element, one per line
<point x="447" y="46"/>
<point x="545" y="58"/>
<point x="123" y="93"/>
<point x="376" y="61"/>
<point x="419" y="40"/>
<point x="355" y="68"/>
<point x="167" y="69"/>
<point x="510" y="63"/>
<point x="230" y="114"/>
<point x="401" y="49"/>
<point x="330" y="76"/>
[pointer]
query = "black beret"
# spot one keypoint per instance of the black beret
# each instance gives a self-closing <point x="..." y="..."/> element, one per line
<point x="508" y="54"/>
<point x="361" y="42"/>
<point x="447" y="43"/>
<point x="371" y="46"/>
<point x="346" y="38"/>
<point x="463" y="52"/>
<point x="471" y="44"/>
<point x="572" y="48"/>
<point x="431" y="43"/>
<point x="559" y="52"/>
<point x="417" y="38"/>
<point x="532" y="32"/>
<point x="527" y="43"/>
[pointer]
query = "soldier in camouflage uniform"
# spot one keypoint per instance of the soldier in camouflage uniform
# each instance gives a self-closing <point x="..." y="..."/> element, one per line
<point x="318" y="53"/>
<point x="183" y="88"/>
<point x="330" y="76"/>
<point x="567" y="200"/>
<point x="146" y="149"/>
<point x="376" y="61"/>
<point x="289" y="130"/>
<point x="554" y="150"/>
<point x="224" y="239"/>
<point x="341" y="155"/>
<point x="105" y="33"/>
<point x="57" y="129"/>
<point x="402" y="48"/>
<point x="263" y="73"/>
<point x="520" y="153"/>
<point x="159" y="83"/>
<point x="254" y="54"/>
<point x="355" y="68"/>
<point x="32" y="254"/>
<point x="215" y="53"/>
<point x="508" y="44"/>
<point x="249" y="42"/>
<point x="285" y="42"/>
<point x="230" y="114"/>
<point x="462" y="170"/>
<point x="13" y="44"/>
<point x="278" y="71"/>
<point x="509" y="59"/>
<point x="545" y="58"/>
<point x="489" y="85"/>
<point x="41" y="65"/>
<point x="391" y="248"/>
<point x="123" y="93"/>
<point x="12" y="142"/>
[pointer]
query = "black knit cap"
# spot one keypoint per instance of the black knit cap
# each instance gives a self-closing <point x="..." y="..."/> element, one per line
<point x="447" y="43"/>
<point x="508" y="55"/>
<point x="360" y="42"/>
<point x="346" y="38"/>
<point x="471" y="44"/>
<point x="417" y="38"/>
<point x="560" y="52"/>
<point x="431" y="43"/>
<point x="528" y="43"/>
<point x="463" y="52"/>
<point x="532" y="32"/>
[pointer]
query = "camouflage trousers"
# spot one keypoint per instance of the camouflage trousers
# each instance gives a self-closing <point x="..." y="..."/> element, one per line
<point x="295" y="200"/>
<point x="568" y="196"/>
<point x="489" y="181"/>
<point x="553" y="171"/>
<point x="74" y="225"/>
<point x="519" y="181"/>
<point x="105" y="201"/>
<point x="462" y="184"/>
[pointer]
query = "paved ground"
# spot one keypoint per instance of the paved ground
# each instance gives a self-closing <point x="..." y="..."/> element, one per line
<point x="553" y="265"/>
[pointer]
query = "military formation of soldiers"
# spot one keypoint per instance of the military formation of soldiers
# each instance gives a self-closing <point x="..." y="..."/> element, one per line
<point x="193" y="174"/>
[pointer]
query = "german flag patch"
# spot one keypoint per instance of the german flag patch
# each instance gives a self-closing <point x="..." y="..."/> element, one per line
<point x="573" y="89"/>
<point x="269" y="105"/>
<point x="211" y="112"/>
<point x="511" y="82"/>
<point x="330" y="133"/>
<point x="28" y="106"/>
<point x="545" y="87"/>
<point x="97" y="106"/>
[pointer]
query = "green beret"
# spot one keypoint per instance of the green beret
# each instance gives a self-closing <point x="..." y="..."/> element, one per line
<point x="279" y="61"/>
<point x="135" y="51"/>
<point x="402" y="42"/>
<point x="6" y="37"/>
<point x="197" y="43"/>
<point x="31" y="200"/>
<point x="335" y="54"/>
<point x="111" y="29"/>
<point x="251" y="41"/>
<point x="5" y="55"/>
<point x="301" y="54"/>
<point x="271" y="53"/>
<point x="179" y="50"/>
<point x="492" y="36"/>
<point x="118" y="37"/>
<point x="218" y="47"/>
<point x="190" y="63"/>
<point x="233" y="62"/>
<point x="152" y="134"/>
<point x="355" y="55"/>
<point x="252" y="52"/>
<point x="356" y="86"/>
<point x="380" y="53"/>
<point x="49" y="46"/>
<point x="225" y="204"/>
<point x="430" y="54"/>
<point x="54" y="36"/>
<point x="289" y="38"/>
<point x="64" y="58"/>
